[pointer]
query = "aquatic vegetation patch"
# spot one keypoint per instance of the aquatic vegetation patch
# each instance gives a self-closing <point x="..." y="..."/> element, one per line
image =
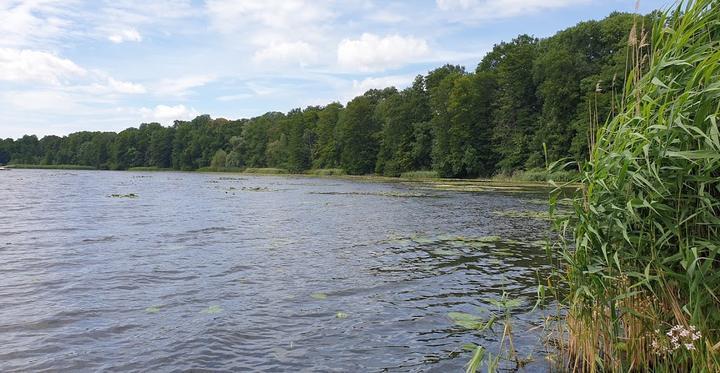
<point x="489" y="186"/>
<point x="341" y="315"/>
<point x="381" y="194"/>
<point x="419" y="175"/>
<point x="318" y="296"/>
<point x="211" y="310"/>
<point x="327" y="172"/>
<point x="525" y="214"/>
<point x="467" y="320"/>
<point x="446" y="252"/>
<point x="266" y="171"/>
<point x="129" y="195"/>
<point x="256" y="189"/>
<point x="153" y="309"/>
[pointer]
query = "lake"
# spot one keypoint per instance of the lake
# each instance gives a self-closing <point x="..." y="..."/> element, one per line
<point x="170" y="271"/>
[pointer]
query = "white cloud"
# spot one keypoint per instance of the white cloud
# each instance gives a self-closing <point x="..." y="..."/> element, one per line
<point x="121" y="36"/>
<point x="261" y="90"/>
<point x="277" y="32"/>
<point x="125" y="87"/>
<point x="24" y="65"/>
<point x="374" y="53"/>
<point x="182" y="86"/>
<point x="230" y="15"/>
<point x="40" y="101"/>
<point x="386" y="16"/>
<point x="27" y="23"/>
<point x="109" y="86"/>
<point x="167" y="114"/>
<point x="237" y="97"/>
<point x="298" y="52"/>
<point x="473" y="10"/>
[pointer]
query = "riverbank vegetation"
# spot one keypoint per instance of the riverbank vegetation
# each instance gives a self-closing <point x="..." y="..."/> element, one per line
<point x="643" y="270"/>
<point x="52" y="166"/>
<point x="450" y="122"/>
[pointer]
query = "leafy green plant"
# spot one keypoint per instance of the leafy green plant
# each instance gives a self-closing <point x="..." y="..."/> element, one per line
<point x="643" y="265"/>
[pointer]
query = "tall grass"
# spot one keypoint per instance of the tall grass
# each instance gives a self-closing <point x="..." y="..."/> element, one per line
<point x="643" y="270"/>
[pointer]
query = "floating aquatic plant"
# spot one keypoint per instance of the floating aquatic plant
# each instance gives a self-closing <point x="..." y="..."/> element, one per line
<point x="214" y="309"/>
<point x="318" y="296"/>
<point x="129" y="195"/>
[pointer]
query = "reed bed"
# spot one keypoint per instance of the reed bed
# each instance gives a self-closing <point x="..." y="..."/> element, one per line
<point x="643" y="267"/>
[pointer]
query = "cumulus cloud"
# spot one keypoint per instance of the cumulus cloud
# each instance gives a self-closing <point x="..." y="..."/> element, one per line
<point x="167" y="114"/>
<point x="374" y="53"/>
<point x="26" y="23"/>
<point x="24" y="65"/>
<point x="121" y="36"/>
<point x="230" y="15"/>
<point x="298" y="52"/>
<point x="470" y="10"/>
<point x="280" y="32"/>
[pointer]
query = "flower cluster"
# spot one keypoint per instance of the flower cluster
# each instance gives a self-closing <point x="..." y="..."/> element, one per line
<point x="678" y="336"/>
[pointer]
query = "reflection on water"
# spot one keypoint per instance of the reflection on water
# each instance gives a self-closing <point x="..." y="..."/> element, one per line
<point x="255" y="273"/>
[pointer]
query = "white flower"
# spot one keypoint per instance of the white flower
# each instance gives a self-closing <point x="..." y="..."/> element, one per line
<point x="689" y="346"/>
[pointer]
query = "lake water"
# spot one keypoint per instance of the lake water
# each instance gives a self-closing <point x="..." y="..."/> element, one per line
<point x="223" y="272"/>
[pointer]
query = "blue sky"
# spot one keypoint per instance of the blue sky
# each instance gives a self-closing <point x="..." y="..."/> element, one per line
<point x="101" y="65"/>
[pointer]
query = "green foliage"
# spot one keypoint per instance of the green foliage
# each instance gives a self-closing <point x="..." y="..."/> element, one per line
<point x="328" y="172"/>
<point x="51" y="166"/>
<point x="404" y="115"/>
<point x="525" y="96"/>
<point x="266" y="171"/>
<point x="646" y="255"/>
<point x="419" y="175"/>
<point x="357" y="131"/>
<point x="219" y="159"/>
<point x="149" y="169"/>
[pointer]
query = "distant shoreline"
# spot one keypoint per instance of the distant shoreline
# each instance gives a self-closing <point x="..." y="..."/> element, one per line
<point x="500" y="184"/>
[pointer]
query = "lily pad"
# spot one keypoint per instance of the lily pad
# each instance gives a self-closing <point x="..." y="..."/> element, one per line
<point x="506" y="303"/>
<point x="213" y="310"/>
<point x="422" y="240"/>
<point x="466" y="320"/>
<point x="445" y="252"/>
<point x="318" y="296"/>
<point x="489" y="239"/>
<point x="152" y="309"/>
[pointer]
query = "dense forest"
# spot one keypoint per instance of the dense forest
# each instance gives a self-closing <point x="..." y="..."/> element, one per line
<point x="528" y="99"/>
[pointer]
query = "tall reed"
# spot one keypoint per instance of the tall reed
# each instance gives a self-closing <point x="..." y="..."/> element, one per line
<point x="643" y="268"/>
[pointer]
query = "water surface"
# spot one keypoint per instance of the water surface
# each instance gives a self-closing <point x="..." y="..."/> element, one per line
<point x="255" y="273"/>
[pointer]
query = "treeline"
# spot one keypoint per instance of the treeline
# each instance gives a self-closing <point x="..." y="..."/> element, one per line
<point x="527" y="99"/>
